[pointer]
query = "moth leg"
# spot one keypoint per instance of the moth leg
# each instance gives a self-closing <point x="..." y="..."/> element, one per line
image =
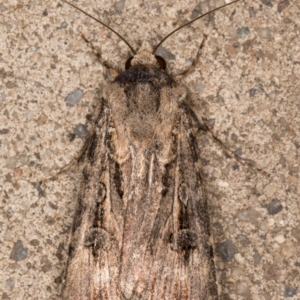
<point x="63" y="169"/>
<point x="98" y="55"/>
<point x="75" y="160"/>
<point x="191" y="68"/>
<point x="202" y="125"/>
<point x="243" y="161"/>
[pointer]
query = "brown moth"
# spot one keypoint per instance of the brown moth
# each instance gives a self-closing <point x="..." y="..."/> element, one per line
<point x="141" y="229"/>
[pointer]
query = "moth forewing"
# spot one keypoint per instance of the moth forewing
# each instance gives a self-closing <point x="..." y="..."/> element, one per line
<point x="141" y="229"/>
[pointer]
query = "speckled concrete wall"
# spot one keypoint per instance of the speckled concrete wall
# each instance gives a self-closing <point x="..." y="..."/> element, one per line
<point x="247" y="83"/>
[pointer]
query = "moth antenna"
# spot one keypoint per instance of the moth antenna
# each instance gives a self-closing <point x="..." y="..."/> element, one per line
<point x="87" y="14"/>
<point x="190" y="22"/>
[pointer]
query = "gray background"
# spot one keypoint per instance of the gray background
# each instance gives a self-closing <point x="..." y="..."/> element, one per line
<point x="246" y="83"/>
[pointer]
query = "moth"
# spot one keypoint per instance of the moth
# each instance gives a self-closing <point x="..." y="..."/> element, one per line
<point x="141" y="228"/>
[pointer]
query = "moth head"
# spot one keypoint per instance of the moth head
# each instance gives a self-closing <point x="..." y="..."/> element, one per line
<point x="145" y="56"/>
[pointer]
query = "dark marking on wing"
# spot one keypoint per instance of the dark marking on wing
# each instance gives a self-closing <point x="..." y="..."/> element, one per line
<point x="187" y="241"/>
<point x="118" y="179"/>
<point x="92" y="148"/>
<point x="193" y="147"/>
<point x="78" y="215"/>
<point x="166" y="179"/>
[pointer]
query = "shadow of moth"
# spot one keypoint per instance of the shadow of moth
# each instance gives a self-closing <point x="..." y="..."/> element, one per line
<point x="141" y="228"/>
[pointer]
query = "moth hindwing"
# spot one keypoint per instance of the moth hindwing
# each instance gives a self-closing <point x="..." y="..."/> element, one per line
<point x="141" y="229"/>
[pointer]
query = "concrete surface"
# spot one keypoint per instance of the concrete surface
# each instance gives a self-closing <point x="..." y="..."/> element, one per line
<point x="247" y="83"/>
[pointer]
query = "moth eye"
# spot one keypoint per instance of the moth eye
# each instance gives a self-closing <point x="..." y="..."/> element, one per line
<point x="128" y="63"/>
<point x="161" y="61"/>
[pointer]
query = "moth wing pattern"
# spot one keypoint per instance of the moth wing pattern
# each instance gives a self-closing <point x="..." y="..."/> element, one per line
<point x="141" y="230"/>
<point x="87" y="235"/>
